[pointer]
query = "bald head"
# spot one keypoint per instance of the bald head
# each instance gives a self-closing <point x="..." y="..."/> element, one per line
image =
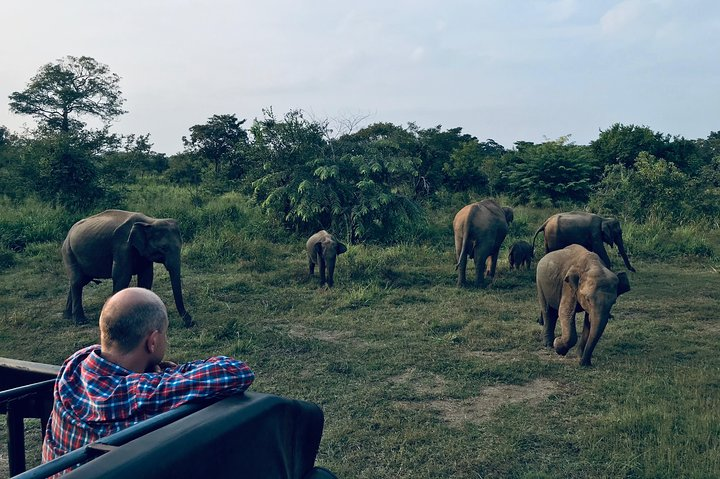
<point x="128" y="317"/>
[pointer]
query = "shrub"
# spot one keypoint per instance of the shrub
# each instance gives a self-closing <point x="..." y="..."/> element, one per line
<point x="32" y="221"/>
<point x="7" y="258"/>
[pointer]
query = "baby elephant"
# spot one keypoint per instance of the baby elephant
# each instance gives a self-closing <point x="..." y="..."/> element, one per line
<point x="322" y="249"/>
<point x="571" y="280"/>
<point x="521" y="252"/>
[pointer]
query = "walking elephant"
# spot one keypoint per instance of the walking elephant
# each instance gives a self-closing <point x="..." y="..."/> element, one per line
<point x="586" y="229"/>
<point x="119" y="244"/>
<point x="480" y="229"/>
<point x="322" y="250"/>
<point x="521" y="253"/>
<point x="572" y="280"/>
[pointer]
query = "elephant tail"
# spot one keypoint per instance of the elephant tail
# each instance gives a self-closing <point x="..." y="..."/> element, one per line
<point x="466" y="237"/>
<point x="541" y="228"/>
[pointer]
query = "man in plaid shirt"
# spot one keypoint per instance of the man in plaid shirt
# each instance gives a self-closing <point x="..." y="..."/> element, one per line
<point x="104" y="388"/>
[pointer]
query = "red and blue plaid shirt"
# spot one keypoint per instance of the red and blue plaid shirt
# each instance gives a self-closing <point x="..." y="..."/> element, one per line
<point x="94" y="397"/>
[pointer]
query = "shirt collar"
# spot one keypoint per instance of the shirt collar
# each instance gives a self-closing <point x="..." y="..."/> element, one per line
<point x="101" y="366"/>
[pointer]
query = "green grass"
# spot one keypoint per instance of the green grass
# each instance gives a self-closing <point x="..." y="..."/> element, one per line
<point x="417" y="378"/>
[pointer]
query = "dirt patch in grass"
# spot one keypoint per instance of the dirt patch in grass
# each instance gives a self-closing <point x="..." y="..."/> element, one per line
<point x="475" y="410"/>
<point x="422" y="383"/>
<point x="335" y="337"/>
<point x="480" y="408"/>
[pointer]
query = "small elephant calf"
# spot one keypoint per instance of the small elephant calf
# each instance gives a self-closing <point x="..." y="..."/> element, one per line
<point x="521" y="252"/>
<point x="322" y="249"/>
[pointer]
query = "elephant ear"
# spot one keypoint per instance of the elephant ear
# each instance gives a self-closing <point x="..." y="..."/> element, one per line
<point x="572" y="278"/>
<point x="139" y="237"/>
<point x="569" y="297"/>
<point x="623" y="283"/>
<point x="318" y="248"/>
<point x="606" y="232"/>
<point x="340" y="248"/>
<point x="509" y="215"/>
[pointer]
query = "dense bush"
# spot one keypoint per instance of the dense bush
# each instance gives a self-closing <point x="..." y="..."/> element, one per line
<point x="32" y="221"/>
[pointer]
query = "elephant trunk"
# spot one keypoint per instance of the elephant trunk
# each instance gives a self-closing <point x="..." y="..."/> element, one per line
<point x="598" y="321"/>
<point x="621" y="250"/>
<point x="566" y="316"/>
<point x="175" y="279"/>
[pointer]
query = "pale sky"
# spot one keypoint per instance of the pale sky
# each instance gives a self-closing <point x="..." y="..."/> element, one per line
<point x="503" y="70"/>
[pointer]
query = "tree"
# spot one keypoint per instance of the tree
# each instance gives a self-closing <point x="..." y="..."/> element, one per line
<point x="555" y="170"/>
<point x="217" y="141"/>
<point x="64" y="91"/>
<point x="653" y="189"/>
<point x="361" y="186"/>
<point x="435" y="150"/>
<point x="623" y="143"/>
<point x="472" y="164"/>
<point x="283" y="150"/>
<point x="132" y="158"/>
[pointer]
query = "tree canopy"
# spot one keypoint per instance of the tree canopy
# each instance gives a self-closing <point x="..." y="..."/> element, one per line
<point x="63" y="92"/>
<point x="217" y="140"/>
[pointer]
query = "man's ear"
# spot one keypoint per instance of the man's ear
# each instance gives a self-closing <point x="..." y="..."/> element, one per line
<point x="151" y="341"/>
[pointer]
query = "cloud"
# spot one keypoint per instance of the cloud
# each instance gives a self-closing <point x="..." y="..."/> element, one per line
<point x="417" y="54"/>
<point x="620" y="17"/>
<point x="560" y="10"/>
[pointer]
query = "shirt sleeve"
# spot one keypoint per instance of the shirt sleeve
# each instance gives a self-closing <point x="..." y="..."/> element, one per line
<point x="214" y="377"/>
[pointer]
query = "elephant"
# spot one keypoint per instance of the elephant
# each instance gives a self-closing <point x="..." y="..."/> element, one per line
<point x="322" y="250"/>
<point x="521" y="252"/>
<point x="480" y="229"/>
<point x="119" y="244"/>
<point x="572" y="280"/>
<point x="586" y="229"/>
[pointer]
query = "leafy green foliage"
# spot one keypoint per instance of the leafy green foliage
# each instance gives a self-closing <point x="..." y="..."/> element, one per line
<point x="64" y="91"/>
<point x="623" y="143"/>
<point x="131" y="158"/>
<point x="184" y="169"/>
<point x="554" y="170"/>
<point x="435" y="150"/>
<point x="285" y="150"/>
<point x="220" y="141"/>
<point x="470" y="165"/>
<point x="361" y="186"/>
<point x="656" y="190"/>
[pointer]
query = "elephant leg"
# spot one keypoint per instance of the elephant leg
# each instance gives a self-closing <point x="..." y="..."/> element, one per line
<point x="145" y="276"/>
<point x="493" y="264"/>
<point x="311" y="267"/>
<point x="599" y="248"/>
<point x="67" y="314"/>
<point x="76" y="289"/>
<point x="479" y="269"/>
<point x="548" y="319"/>
<point x="596" y="330"/>
<point x="321" y="267"/>
<point x="121" y="276"/>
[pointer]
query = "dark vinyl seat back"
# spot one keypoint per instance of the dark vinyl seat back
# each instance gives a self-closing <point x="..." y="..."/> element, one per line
<point x="252" y="435"/>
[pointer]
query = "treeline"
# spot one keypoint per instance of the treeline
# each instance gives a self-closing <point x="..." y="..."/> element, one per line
<point x="364" y="184"/>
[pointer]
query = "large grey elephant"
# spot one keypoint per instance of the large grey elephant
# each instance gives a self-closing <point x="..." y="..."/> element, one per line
<point x="480" y="229"/>
<point x="119" y="244"/>
<point x="586" y="229"/>
<point x="322" y="250"/>
<point x="571" y="280"/>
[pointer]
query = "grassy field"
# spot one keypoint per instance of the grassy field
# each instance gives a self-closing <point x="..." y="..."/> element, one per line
<point x="420" y="379"/>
